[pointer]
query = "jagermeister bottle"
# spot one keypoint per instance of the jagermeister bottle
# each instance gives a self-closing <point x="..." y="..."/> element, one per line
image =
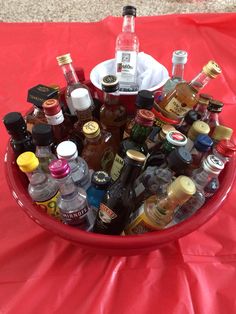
<point x="118" y="201"/>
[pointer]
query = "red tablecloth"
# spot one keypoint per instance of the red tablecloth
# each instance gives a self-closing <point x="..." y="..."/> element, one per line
<point x="42" y="273"/>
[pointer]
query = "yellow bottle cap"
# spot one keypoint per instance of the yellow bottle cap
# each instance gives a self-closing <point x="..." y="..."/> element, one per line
<point x="221" y="132"/>
<point x="182" y="189"/>
<point x="27" y="162"/>
<point x="135" y="155"/>
<point x="91" y="129"/>
<point x="212" y="69"/>
<point x="64" y="59"/>
<point x="198" y="127"/>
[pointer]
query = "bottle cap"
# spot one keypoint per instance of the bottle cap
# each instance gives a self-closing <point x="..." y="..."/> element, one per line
<point x="176" y="138"/>
<point x="212" y="69"/>
<point x="222" y="132"/>
<point x="212" y="164"/>
<point x="67" y="150"/>
<point x="27" y="162"/>
<point x="59" y="168"/>
<point x="182" y="189"/>
<point x="215" y="106"/>
<point x="179" y="159"/>
<point x="101" y="179"/>
<point x="80" y="99"/>
<point x="191" y="117"/>
<point x="198" y="127"/>
<point x="51" y="107"/>
<point x="166" y="128"/>
<point x="13" y="121"/>
<point x="42" y="134"/>
<point x="110" y="84"/>
<point x="204" y="99"/>
<point x="135" y="155"/>
<point x="226" y="148"/>
<point x="145" y="99"/>
<point x="129" y="10"/>
<point x="144" y="117"/>
<point x="203" y="143"/>
<point x="64" y="59"/>
<point x="91" y="129"/>
<point x="179" y="57"/>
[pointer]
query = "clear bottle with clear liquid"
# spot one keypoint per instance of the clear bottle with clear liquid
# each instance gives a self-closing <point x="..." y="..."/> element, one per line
<point x="127" y="48"/>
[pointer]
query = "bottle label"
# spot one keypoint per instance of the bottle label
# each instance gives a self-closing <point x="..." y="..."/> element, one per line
<point x="116" y="167"/>
<point x="56" y="119"/>
<point x="78" y="216"/>
<point x="126" y="65"/>
<point x="107" y="159"/>
<point x="50" y="206"/>
<point x="106" y="214"/>
<point x="176" y="107"/>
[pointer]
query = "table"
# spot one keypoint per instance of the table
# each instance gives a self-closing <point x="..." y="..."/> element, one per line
<point x="42" y="273"/>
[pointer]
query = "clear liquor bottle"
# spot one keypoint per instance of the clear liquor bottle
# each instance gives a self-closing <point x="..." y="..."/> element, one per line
<point x="202" y="104"/>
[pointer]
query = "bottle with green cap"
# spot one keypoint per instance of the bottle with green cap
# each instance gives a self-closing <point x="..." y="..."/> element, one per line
<point x="42" y="188"/>
<point x="118" y="201"/>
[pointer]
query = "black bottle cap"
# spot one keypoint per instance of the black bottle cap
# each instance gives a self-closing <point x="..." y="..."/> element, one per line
<point x="110" y="84"/>
<point x="144" y="99"/>
<point x="179" y="159"/>
<point x="42" y="134"/>
<point x="14" y="121"/>
<point x="156" y="159"/>
<point x="191" y="117"/>
<point x="215" y="106"/>
<point x="129" y="10"/>
<point x="101" y="179"/>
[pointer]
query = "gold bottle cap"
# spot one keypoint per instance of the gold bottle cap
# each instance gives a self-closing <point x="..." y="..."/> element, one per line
<point x="198" y="127"/>
<point x="135" y="155"/>
<point x="64" y="59"/>
<point x="212" y="69"/>
<point x="166" y="128"/>
<point x="182" y="189"/>
<point x="222" y="132"/>
<point x="27" y="162"/>
<point x="91" y="129"/>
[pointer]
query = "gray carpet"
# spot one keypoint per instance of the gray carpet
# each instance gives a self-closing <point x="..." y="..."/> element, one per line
<point x="95" y="10"/>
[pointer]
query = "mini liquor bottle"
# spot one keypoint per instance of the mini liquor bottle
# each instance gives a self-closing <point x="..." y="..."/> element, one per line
<point x="189" y="119"/>
<point x="21" y="139"/>
<point x="210" y="168"/>
<point x="157" y="211"/>
<point x="113" y="115"/>
<point x="202" y="104"/>
<point x="79" y="169"/>
<point x="197" y="128"/>
<point x="65" y="62"/>
<point x="179" y="59"/>
<point x="43" y="139"/>
<point x="140" y="131"/>
<point x="160" y="137"/>
<point x="184" y="97"/>
<point x="98" y="150"/>
<point x="212" y="117"/>
<point x="118" y="201"/>
<point x="72" y="201"/>
<point x="127" y="48"/>
<point x="221" y="132"/>
<point x="42" y="188"/>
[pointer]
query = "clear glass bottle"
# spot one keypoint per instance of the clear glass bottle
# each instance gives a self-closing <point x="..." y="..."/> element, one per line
<point x="158" y="210"/>
<point x="65" y="62"/>
<point x="118" y="201"/>
<point x="127" y="48"/>
<point x="184" y="97"/>
<point x="72" y="201"/>
<point x="21" y="139"/>
<point x="210" y="168"/>
<point x="202" y="104"/>
<point x="212" y="117"/>
<point x="113" y="115"/>
<point x="43" y="139"/>
<point x="42" y="188"/>
<point x="179" y="59"/>
<point x="79" y="169"/>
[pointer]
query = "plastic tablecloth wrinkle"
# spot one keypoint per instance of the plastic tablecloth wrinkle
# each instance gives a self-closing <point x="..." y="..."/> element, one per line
<point x="42" y="273"/>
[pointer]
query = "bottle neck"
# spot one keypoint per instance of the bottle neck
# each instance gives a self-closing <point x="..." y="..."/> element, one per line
<point x="43" y="151"/>
<point x="111" y="98"/>
<point x="177" y="72"/>
<point x="67" y="186"/>
<point x="70" y="74"/>
<point x="202" y="177"/>
<point x="129" y="173"/>
<point x="128" y="24"/>
<point x="200" y="81"/>
<point x="139" y="133"/>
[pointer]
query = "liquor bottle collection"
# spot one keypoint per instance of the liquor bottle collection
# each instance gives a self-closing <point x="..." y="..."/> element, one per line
<point x="94" y="167"/>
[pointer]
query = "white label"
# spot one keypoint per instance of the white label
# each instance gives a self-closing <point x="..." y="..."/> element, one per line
<point x="176" y="107"/>
<point x="117" y="165"/>
<point x="126" y="64"/>
<point x="56" y="119"/>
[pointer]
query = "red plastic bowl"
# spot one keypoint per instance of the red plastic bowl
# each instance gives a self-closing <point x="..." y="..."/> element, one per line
<point x="115" y="245"/>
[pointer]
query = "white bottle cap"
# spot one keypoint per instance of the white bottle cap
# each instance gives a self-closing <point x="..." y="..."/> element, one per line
<point x="80" y="99"/>
<point x="179" y="57"/>
<point x="67" y="150"/>
<point x="213" y="164"/>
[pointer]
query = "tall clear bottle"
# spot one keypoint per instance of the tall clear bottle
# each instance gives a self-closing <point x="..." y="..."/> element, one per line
<point x="127" y="48"/>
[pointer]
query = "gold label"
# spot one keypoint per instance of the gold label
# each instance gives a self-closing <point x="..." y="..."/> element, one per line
<point x="116" y="167"/>
<point x="50" y="206"/>
<point x="107" y="159"/>
<point x="176" y="107"/>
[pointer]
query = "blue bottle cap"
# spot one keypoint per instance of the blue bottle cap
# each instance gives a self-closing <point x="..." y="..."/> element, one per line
<point x="203" y="143"/>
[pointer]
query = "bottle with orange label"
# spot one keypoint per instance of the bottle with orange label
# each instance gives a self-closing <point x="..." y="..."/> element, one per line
<point x="42" y="188"/>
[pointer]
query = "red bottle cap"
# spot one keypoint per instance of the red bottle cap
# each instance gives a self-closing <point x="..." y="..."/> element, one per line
<point x="51" y="107"/>
<point x="145" y="117"/>
<point x="226" y="148"/>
